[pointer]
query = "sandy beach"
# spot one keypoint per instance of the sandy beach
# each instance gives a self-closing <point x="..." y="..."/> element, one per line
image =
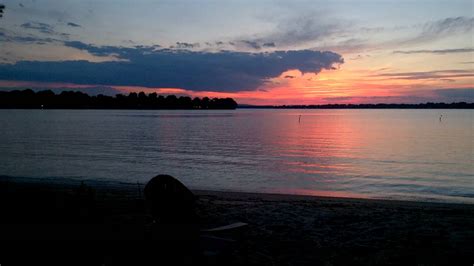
<point x="110" y="220"/>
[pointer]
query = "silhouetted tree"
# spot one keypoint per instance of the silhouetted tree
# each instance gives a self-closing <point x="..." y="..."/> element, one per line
<point x="196" y="103"/>
<point x="185" y="102"/>
<point x="79" y="100"/>
<point x="171" y="102"/>
<point x="205" y="103"/>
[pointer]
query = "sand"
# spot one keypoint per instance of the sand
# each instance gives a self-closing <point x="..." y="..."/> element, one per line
<point x="110" y="222"/>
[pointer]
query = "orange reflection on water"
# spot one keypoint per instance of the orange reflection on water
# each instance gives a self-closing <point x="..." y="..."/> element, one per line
<point x="324" y="142"/>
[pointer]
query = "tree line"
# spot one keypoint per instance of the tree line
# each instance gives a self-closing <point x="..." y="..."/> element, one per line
<point x="47" y="99"/>
<point x="428" y="105"/>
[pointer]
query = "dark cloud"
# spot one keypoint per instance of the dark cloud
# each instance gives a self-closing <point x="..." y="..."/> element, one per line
<point x="256" y="45"/>
<point x="8" y="36"/>
<point x="145" y="47"/>
<point x="43" y="28"/>
<point x="440" y="74"/>
<point x="442" y="51"/>
<point x="71" y="24"/>
<point x="39" y="26"/>
<point x="193" y="70"/>
<point x="289" y="77"/>
<point x="252" y="44"/>
<point x="185" y="45"/>
<point x="216" y="43"/>
<point x="94" y="90"/>
<point x="123" y="52"/>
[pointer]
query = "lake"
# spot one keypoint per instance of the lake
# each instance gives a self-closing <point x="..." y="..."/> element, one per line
<point x="373" y="153"/>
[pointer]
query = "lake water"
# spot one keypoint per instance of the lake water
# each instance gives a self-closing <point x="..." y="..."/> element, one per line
<point x="394" y="154"/>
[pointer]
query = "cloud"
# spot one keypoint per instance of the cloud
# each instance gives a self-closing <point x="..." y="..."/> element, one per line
<point x="43" y="28"/>
<point x="252" y="44"/>
<point x="443" y="51"/>
<point x="346" y="38"/>
<point x="352" y="45"/>
<point x="447" y="95"/>
<point x="309" y="28"/>
<point x="426" y="33"/>
<point x="449" y="25"/>
<point x="71" y="24"/>
<point x="192" y="70"/>
<point x="185" y="45"/>
<point x="442" y="28"/>
<point x="439" y="74"/>
<point x="94" y="90"/>
<point x="125" y="53"/>
<point x="9" y="36"/>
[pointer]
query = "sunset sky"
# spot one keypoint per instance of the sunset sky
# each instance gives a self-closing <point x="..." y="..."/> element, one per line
<point x="258" y="52"/>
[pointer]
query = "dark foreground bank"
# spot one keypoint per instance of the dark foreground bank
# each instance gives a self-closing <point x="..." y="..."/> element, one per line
<point x="102" y="223"/>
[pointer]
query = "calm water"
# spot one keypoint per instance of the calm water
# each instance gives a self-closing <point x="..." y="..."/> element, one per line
<point x="397" y="154"/>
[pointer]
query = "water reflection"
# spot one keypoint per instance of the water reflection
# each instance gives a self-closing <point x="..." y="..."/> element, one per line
<point x="358" y="153"/>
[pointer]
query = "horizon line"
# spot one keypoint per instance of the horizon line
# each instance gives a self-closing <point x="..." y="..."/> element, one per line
<point x="427" y="105"/>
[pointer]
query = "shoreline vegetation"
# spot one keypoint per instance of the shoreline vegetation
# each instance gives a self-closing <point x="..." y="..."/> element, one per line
<point x="281" y="229"/>
<point x="428" y="105"/>
<point x="47" y="99"/>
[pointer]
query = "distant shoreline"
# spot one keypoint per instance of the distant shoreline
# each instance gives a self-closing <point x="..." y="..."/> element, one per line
<point x="47" y="99"/>
<point x="453" y="106"/>
<point x="456" y="105"/>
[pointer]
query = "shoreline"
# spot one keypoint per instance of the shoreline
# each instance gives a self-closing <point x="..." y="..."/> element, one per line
<point x="131" y="188"/>
<point x="281" y="229"/>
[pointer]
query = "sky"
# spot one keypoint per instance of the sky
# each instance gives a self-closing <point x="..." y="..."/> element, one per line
<point x="257" y="52"/>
